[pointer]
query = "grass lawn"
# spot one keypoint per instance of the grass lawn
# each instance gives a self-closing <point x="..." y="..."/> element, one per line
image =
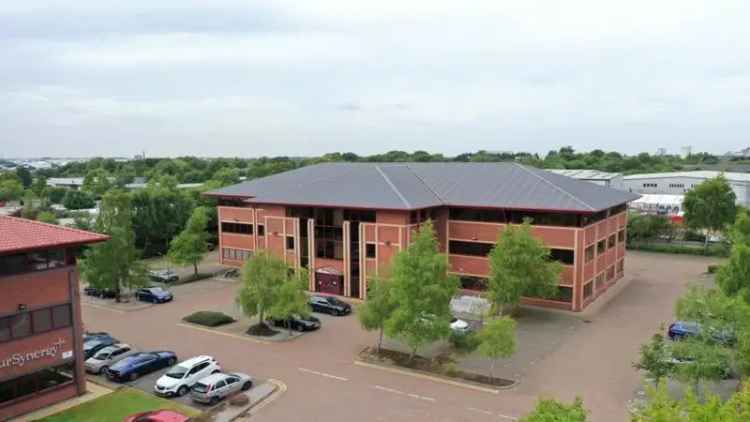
<point x="116" y="406"/>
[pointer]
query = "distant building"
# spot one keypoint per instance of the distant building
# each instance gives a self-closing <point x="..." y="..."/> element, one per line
<point x="141" y="185"/>
<point x="65" y="182"/>
<point x="601" y="178"/>
<point x="678" y="183"/>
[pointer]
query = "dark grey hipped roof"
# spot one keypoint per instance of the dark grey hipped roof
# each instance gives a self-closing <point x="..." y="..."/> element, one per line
<point x="407" y="186"/>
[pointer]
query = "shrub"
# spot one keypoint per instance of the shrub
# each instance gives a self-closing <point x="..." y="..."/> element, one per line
<point x="464" y="343"/>
<point x="719" y="249"/>
<point x="713" y="269"/>
<point x="209" y="318"/>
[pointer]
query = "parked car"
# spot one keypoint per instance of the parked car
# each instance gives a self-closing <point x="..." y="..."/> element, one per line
<point x="178" y="380"/>
<point x="215" y="387"/>
<point x="679" y="330"/>
<point x="88" y="335"/>
<point x="106" y="357"/>
<point x="95" y="344"/>
<point x="153" y="295"/>
<point x="102" y="293"/>
<point x="232" y="273"/>
<point x="329" y="305"/>
<point x="460" y="326"/>
<point x="158" y="416"/>
<point x="298" y="323"/>
<point x="163" y="276"/>
<point x="138" y="364"/>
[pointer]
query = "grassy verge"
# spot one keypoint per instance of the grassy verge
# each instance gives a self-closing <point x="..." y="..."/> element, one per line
<point x="116" y="406"/>
<point x="717" y="250"/>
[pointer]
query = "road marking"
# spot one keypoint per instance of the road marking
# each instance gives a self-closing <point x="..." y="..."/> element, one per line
<point x="323" y="374"/>
<point x="489" y="413"/>
<point x="511" y="418"/>
<point x="104" y="308"/>
<point x="401" y="393"/>
<point x="280" y="389"/>
<point x="427" y="377"/>
<point x="221" y="333"/>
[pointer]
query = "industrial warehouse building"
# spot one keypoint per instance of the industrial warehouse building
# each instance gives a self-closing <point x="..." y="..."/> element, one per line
<point x="41" y="355"/>
<point x="346" y="221"/>
<point x="678" y="183"/>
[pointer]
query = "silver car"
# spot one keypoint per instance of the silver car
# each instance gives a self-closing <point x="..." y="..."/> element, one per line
<point x="215" y="387"/>
<point x="106" y="357"/>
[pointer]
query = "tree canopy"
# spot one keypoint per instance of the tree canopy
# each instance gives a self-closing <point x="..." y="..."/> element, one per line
<point x="710" y="205"/>
<point x="378" y="307"/>
<point x="190" y="245"/>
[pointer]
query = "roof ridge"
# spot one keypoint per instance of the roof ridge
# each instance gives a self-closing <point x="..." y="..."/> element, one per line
<point x="440" y="199"/>
<point x="393" y="187"/>
<point x="54" y="226"/>
<point x="558" y="188"/>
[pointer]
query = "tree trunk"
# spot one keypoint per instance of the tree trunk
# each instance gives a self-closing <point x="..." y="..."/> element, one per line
<point x="195" y="269"/>
<point x="380" y="339"/>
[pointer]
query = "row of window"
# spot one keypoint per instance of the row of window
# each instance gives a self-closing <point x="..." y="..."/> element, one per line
<point x="36" y="382"/>
<point x="650" y="185"/>
<point x="676" y="185"/>
<point x="38" y="321"/>
<point x="241" y="228"/>
<point x="34" y="261"/>
<point x="604" y="244"/>
<point x="458" y="247"/>
<point x="236" y="254"/>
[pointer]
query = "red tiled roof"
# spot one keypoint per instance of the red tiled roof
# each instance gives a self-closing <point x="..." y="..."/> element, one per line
<point x="20" y="234"/>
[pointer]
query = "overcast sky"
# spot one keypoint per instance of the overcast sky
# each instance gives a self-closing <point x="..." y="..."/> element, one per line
<point x="242" y="78"/>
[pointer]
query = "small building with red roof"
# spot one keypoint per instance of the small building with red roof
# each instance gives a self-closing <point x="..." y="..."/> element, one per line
<point x="41" y="333"/>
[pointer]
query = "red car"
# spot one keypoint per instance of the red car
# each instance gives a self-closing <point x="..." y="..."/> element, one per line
<point x="158" y="416"/>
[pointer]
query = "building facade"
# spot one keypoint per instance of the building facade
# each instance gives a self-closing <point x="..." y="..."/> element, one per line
<point x="346" y="222"/>
<point x="679" y="183"/>
<point x="41" y="335"/>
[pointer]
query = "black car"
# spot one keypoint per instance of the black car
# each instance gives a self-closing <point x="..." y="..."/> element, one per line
<point x="298" y="323"/>
<point x="135" y="365"/>
<point x="96" y="343"/>
<point x="102" y="293"/>
<point x="153" y="295"/>
<point x="330" y="305"/>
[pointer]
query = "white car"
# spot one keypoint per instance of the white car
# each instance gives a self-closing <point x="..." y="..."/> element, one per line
<point x="460" y="326"/>
<point x="180" y="378"/>
<point x="106" y="357"/>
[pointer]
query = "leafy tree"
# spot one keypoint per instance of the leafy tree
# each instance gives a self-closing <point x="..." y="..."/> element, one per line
<point x="114" y="264"/>
<point x="78" y="200"/>
<point x="550" y="410"/>
<point x="160" y="212"/>
<point x="497" y="339"/>
<point x="421" y="290"/>
<point x="262" y="275"/>
<point x="97" y="182"/>
<point x="378" y="307"/>
<point x="190" y="245"/>
<point x="710" y="206"/>
<point x="739" y="232"/>
<point x="227" y="176"/>
<point x="10" y="189"/>
<point x="55" y="195"/>
<point x="701" y="361"/>
<point x="520" y="265"/>
<point x="661" y="407"/>
<point x="655" y="358"/>
<point x="82" y="220"/>
<point x="24" y="175"/>
<point x="734" y="276"/>
<point x="47" y="217"/>
<point x="291" y="299"/>
<point x="39" y="187"/>
<point x="29" y="209"/>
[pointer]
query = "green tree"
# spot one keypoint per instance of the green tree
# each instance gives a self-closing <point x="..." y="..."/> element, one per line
<point x="82" y="220"/>
<point x="190" y="245"/>
<point x="24" y="175"/>
<point x="655" y="358"/>
<point x="96" y="182"/>
<point x="701" y="362"/>
<point x="160" y="212"/>
<point x="39" y="187"/>
<point x="378" y="307"/>
<point x="520" y="265"/>
<point x="10" y="189"/>
<point x="550" y="410"/>
<point x="661" y="407"/>
<point x="226" y="176"/>
<point x="114" y="264"/>
<point x="710" y="206"/>
<point x="29" y="210"/>
<point x="739" y="232"/>
<point x="421" y="291"/>
<point x="291" y="300"/>
<point x="262" y="275"/>
<point x="497" y="339"/>
<point x="78" y="200"/>
<point x="734" y="276"/>
<point x="47" y="217"/>
<point x="55" y="195"/>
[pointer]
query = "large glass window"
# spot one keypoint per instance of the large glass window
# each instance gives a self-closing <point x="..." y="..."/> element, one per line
<point x="20" y="325"/>
<point x="473" y="283"/>
<point x="601" y="246"/>
<point x="39" y="381"/>
<point x="38" y="321"/>
<point x="34" y="261"/>
<point x="469" y="248"/>
<point x="590" y="253"/>
<point x="61" y="316"/>
<point x="565" y="256"/>
<point x="370" y="250"/>
<point x="42" y="320"/>
<point x="473" y="214"/>
<point x="544" y="218"/>
<point x="238" y="228"/>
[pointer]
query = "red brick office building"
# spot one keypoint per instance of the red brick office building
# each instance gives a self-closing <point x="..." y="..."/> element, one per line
<point x="344" y="222"/>
<point x="41" y="355"/>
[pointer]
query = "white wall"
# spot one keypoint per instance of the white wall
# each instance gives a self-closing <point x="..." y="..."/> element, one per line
<point x="680" y="185"/>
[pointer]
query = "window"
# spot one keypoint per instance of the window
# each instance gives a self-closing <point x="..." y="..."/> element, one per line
<point x="61" y="316"/>
<point x="593" y="218"/>
<point x="564" y="294"/>
<point x="677" y="185"/>
<point x="473" y="283"/>
<point x="471" y="214"/>
<point x="238" y="228"/>
<point x="36" y="382"/>
<point x="20" y="325"/>
<point x="599" y="281"/>
<point x="331" y="249"/>
<point x="469" y="248"/>
<point x="621" y="236"/>
<point x="544" y="218"/>
<point x="42" y="320"/>
<point x="35" y="261"/>
<point x="588" y="290"/>
<point x="621" y="267"/>
<point x="590" y="253"/>
<point x="611" y="273"/>
<point x="601" y="246"/>
<point x="370" y="250"/>
<point x="618" y="209"/>
<point x="611" y="242"/>
<point x="413" y="217"/>
<point x="261" y="230"/>
<point x="650" y="185"/>
<point x="290" y="242"/>
<point x="236" y="254"/>
<point x="564" y="256"/>
<point x="220" y="384"/>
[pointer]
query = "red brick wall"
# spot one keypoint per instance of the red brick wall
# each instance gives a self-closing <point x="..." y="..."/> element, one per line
<point x="34" y="289"/>
<point x="33" y="343"/>
<point x="37" y="402"/>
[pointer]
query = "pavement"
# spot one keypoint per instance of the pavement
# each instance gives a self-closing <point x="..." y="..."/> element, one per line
<point x="594" y="359"/>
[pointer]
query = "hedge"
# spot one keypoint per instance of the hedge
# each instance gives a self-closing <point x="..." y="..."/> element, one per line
<point x="209" y="318"/>
<point x="713" y="250"/>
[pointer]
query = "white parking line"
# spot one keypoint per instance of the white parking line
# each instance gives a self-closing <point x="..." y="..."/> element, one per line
<point x="489" y="413"/>
<point x="323" y="374"/>
<point x="510" y="418"/>
<point x="401" y="393"/>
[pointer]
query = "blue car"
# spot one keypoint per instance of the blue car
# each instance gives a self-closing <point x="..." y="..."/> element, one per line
<point x="139" y="364"/>
<point x="679" y="330"/>
<point x="93" y="344"/>
<point x="153" y="295"/>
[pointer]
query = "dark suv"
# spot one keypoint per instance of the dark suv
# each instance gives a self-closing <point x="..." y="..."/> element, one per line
<point x="330" y="305"/>
<point x="298" y="323"/>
